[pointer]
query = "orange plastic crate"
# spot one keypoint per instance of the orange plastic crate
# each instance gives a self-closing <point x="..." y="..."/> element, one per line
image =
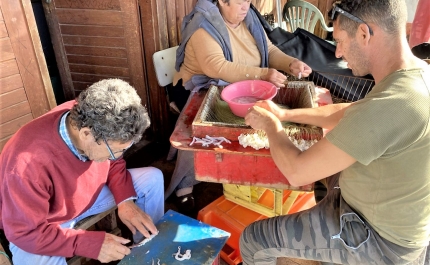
<point x="233" y="218"/>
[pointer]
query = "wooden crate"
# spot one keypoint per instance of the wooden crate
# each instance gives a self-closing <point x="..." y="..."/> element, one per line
<point x="296" y="94"/>
<point x="268" y="201"/>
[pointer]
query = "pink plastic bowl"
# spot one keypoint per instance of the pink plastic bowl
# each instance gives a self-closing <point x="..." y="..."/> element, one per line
<point x="242" y="95"/>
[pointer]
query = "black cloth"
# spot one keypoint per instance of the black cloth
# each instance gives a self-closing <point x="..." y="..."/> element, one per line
<point x="178" y="94"/>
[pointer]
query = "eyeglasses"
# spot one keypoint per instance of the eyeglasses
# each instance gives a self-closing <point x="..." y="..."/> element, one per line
<point x="112" y="154"/>
<point x="348" y="15"/>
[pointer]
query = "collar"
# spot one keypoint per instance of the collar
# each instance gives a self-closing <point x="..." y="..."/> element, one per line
<point x="66" y="138"/>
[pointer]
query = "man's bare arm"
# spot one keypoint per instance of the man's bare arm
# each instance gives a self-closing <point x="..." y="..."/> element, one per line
<point x="327" y="116"/>
<point x="322" y="160"/>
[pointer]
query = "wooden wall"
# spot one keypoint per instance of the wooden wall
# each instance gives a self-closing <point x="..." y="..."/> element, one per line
<point x="25" y="88"/>
<point x="94" y="40"/>
<point x="161" y="22"/>
<point x="101" y="39"/>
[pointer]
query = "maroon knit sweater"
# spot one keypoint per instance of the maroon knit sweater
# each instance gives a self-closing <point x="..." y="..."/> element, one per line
<point x="43" y="184"/>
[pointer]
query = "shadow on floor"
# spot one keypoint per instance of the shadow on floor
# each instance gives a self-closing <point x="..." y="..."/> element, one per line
<point x="155" y="155"/>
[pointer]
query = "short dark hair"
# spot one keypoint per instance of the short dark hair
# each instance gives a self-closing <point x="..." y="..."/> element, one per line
<point x="112" y="109"/>
<point x="390" y="15"/>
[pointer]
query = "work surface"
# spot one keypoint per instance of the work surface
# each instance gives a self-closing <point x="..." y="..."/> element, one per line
<point x="177" y="230"/>
<point x="233" y="163"/>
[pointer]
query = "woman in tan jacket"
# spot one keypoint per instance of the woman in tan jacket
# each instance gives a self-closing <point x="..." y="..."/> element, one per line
<point x="223" y="42"/>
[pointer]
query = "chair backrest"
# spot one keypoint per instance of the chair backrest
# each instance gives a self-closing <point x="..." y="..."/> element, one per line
<point x="301" y="14"/>
<point x="164" y="64"/>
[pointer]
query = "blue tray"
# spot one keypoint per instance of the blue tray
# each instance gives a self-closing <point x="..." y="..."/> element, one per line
<point x="204" y="241"/>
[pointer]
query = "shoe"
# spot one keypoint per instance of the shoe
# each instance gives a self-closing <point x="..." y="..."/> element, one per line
<point x="185" y="203"/>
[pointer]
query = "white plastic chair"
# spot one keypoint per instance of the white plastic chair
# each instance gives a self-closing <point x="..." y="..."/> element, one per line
<point x="301" y="14"/>
<point x="164" y="64"/>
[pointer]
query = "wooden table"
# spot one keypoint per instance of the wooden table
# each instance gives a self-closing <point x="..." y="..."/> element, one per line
<point x="231" y="164"/>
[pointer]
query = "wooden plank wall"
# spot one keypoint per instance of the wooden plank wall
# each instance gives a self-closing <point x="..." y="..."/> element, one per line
<point x="25" y="89"/>
<point x="94" y="40"/>
<point x="161" y="22"/>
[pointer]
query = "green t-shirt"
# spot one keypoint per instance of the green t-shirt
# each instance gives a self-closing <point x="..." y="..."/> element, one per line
<point x="388" y="134"/>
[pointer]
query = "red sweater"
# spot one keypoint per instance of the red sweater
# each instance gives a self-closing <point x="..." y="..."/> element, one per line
<point x="43" y="184"/>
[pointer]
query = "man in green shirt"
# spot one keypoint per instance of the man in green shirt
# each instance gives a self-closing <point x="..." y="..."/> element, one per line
<point x="377" y="209"/>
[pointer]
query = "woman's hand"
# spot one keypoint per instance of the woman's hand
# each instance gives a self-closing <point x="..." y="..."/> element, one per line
<point x="275" y="77"/>
<point x="299" y="69"/>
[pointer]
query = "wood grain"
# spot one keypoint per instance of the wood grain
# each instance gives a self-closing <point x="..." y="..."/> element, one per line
<point x="93" y="41"/>
<point x="95" y="31"/>
<point x="81" y="86"/>
<point x="96" y="51"/>
<point x="155" y="37"/>
<point x="6" y="50"/>
<point x="99" y="70"/>
<point x="134" y="46"/>
<point x="10" y="83"/>
<point x="9" y="128"/>
<point x="98" y="60"/>
<point x="89" y="17"/>
<point x="14" y="111"/>
<point x="3" y="30"/>
<point x="23" y="34"/>
<point x="85" y="4"/>
<point x="92" y="78"/>
<point x="12" y="98"/>
<point x="8" y="68"/>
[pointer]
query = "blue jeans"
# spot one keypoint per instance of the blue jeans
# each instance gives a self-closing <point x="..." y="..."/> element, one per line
<point x="149" y="186"/>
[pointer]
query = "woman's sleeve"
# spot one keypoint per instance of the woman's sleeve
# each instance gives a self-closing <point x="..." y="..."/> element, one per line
<point x="210" y="58"/>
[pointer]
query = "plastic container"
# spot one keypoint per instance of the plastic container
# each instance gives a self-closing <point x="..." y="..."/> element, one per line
<point x="269" y="201"/>
<point x="242" y="95"/>
<point x="230" y="217"/>
<point x="233" y="218"/>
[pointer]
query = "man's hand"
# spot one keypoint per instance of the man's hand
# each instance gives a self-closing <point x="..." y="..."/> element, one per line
<point x="272" y="107"/>
<point x="113" y="248"/>
<point x="261" y="119"/>
<point x="322" y="96"/>
<point x="135" y="219"/>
